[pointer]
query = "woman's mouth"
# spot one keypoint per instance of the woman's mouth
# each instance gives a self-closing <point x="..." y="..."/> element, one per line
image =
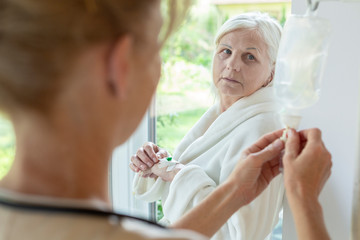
<point x="229" y="79"/>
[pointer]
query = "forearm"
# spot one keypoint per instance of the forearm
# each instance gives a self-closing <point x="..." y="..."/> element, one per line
<point x="308" y="217"/>
<point x="213" y="212"/>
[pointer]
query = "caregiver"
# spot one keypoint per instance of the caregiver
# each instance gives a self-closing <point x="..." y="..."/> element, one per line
<point x="243" y="70"/>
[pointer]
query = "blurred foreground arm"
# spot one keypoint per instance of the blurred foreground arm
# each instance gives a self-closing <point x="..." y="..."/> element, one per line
<point x="307" y="165"/>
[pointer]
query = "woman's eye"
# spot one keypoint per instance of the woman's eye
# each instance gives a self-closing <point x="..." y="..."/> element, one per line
<point x="227" y="51"/>
<point x="250" y="57"/>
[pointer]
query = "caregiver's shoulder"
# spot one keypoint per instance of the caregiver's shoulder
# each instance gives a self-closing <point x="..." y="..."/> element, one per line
<point x="71" y="225"/>
<point x="135" y="229"/>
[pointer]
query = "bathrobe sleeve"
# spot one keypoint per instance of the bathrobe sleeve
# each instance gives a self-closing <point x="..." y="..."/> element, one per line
<point x="193" y="183"/>
<point x="149" y="189"/>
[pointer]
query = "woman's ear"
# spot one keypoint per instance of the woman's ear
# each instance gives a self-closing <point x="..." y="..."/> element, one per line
<point x="119" y="66"/>
<point x="270" y="78"/>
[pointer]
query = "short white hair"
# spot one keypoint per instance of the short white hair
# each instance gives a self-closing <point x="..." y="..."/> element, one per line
<point x="268" y="28"/>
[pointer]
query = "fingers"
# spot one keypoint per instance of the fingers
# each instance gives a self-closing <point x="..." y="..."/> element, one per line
<point x="162" y="153"/>
<point x="292" y="147"/>
<point x="144" y="174"/>
<point x="314" y="145"/>
<point x="151" y="149"/>
<point x="145" y="157"/>
<point x="272" y="169"/>
<point x="296" y="142"/>
<point x="307" y="162"/>
<point x="269" y="153"/>
<point x="136" y="162"/>
<point x="133" y="167"/>
<point x="153" y="176"/>
<point x="311" y="135"/>
<point x="265" y="141"/>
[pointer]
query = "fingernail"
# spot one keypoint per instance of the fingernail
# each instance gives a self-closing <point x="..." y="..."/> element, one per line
<point x="155" y="159"/>
<point x="149" y="164"/>
<point x="278" y="144"/>
<point x="143" y="167"/>
<point x="291" y="132"/>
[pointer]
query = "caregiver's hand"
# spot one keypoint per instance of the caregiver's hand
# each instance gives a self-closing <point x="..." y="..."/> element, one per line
<point x="146" y="157"/>
<point x="307" y="165"/>
<point x="258" y="165"/>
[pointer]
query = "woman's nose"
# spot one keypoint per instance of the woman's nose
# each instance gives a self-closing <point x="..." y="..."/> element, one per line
<point x="233" y="64"/>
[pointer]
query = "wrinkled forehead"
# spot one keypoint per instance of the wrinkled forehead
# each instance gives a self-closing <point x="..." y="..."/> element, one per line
<point x="244" y="38"/>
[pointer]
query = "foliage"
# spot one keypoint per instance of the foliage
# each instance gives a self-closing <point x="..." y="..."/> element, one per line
<point x="7" y="146"/>
<point x="159" y="211"/>
<point x="187" y="55"/>
<point x="171" y="128"/>
<point x="282" y="20"/>
<point x="193" y="42"/>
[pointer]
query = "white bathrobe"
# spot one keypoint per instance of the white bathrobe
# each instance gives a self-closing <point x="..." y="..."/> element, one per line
<point x="210" y="150"/>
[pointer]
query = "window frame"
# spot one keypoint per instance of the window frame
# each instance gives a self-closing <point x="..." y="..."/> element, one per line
<point x="121" y="176"/>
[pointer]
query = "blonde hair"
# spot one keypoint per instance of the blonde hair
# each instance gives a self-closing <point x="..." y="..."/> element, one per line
<point x="39" y="40"/>
<point x="268" y="28"/>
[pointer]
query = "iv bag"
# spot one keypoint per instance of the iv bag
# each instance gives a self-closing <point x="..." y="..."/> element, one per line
<point x="300" y="63"/>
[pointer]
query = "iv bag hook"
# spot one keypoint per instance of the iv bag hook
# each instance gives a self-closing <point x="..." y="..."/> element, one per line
<point x="313" y="5"/>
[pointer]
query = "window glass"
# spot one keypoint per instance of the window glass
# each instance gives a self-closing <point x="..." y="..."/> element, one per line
<point x="7" y="146"/>
<point x="183" y="94"/>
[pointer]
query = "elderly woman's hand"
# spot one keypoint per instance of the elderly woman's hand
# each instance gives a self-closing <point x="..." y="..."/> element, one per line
<point x="258" y="165"/>
<point x="146" y="157"/>
<point x="164" y="174"/>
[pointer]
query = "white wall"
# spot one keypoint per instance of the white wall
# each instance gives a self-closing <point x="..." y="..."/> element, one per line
<point x="336" y="114"/>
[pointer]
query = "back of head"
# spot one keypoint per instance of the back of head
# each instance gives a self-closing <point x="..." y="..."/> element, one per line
<point x="39" y="40"/>
<point x="268" y="28"/>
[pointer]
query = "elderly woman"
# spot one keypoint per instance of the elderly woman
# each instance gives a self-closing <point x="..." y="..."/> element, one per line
<point x="243" y="70"/>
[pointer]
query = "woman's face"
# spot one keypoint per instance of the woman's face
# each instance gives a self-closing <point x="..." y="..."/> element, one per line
<point x="241" y="65"/>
